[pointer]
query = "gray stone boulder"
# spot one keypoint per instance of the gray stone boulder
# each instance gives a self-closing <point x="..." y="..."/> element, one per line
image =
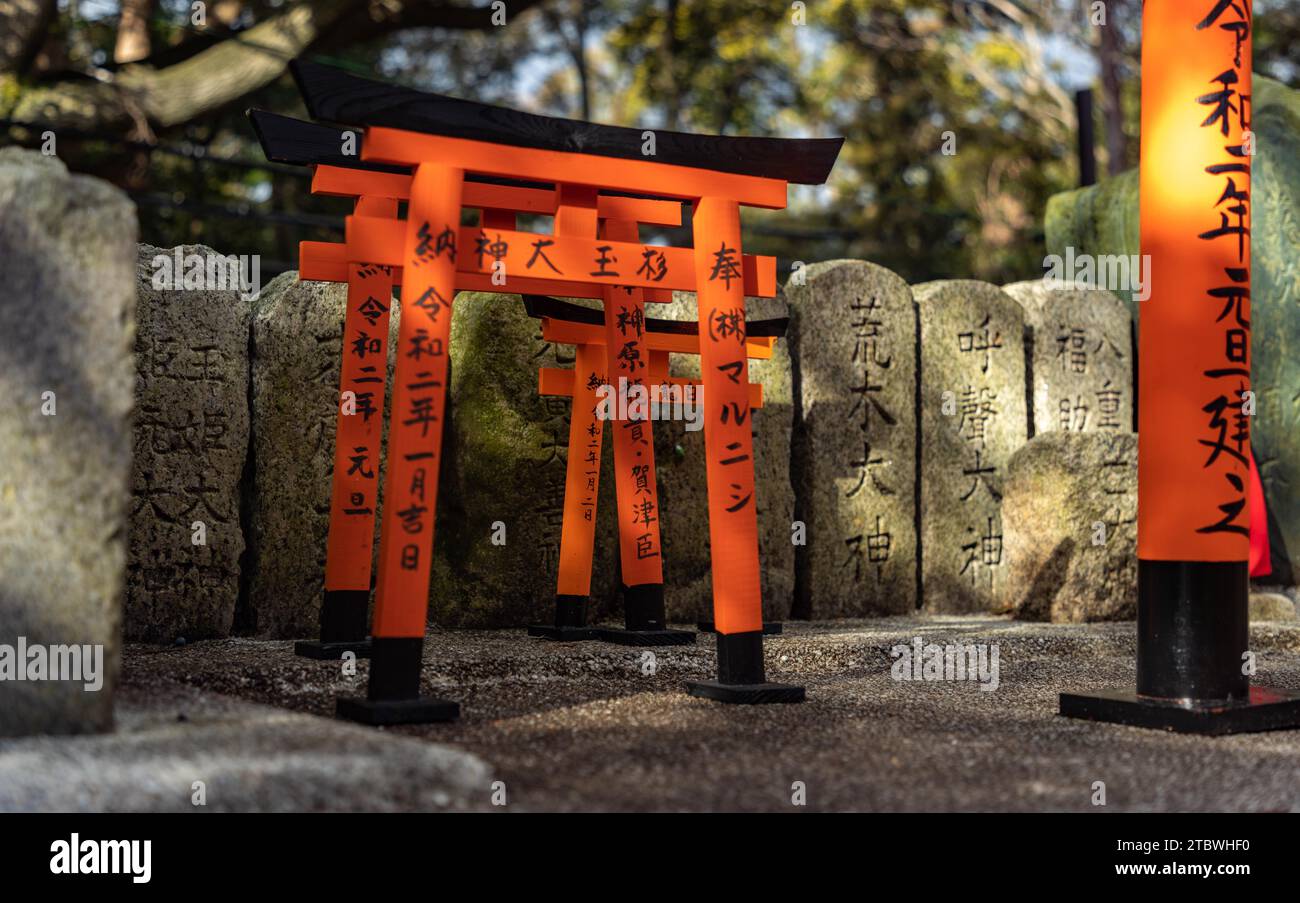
<point x="972" y="419"/>
<point x="683" y="487"/>
<point x="176" y="746"/>
<point x="296" y="356"/>
<point x="67" y="314"/>
<point x="1080" y="355"/>
<point x="191" y="445"/>
<point x="1271" y="607"/>
<point x="504" y="454"/>
<point x="1069" y="518"/>
<point x="853" y="339"/>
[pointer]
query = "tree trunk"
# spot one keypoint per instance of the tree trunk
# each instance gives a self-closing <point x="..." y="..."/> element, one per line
<point x="1110" y="57"/>
<point x="133" y="30"/>
<point x="23" y="24"/>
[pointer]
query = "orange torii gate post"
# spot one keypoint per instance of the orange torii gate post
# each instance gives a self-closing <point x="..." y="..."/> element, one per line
<point x="1193" y="544"/>
<point x="344" y="621"/>
<point x="582" y="327"/>
<point x="442" y="140"/>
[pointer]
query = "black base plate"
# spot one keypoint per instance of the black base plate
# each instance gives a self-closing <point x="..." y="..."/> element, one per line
<point x="646" y="637"/>
<point x="562" y="634"/>
<point x="325" y="651"/>
<point x="1265" y="710"/>
<point x="745" y="694"/>
<point x="423" y="710"/>
<point x="770" y="628"/>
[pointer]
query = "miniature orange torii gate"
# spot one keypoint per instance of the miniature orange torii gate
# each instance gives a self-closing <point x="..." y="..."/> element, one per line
<point x="351" y="524"/>
<point x="584" y="328"/>
<point x="450" y="145"/>
<point x="644" y="603"/>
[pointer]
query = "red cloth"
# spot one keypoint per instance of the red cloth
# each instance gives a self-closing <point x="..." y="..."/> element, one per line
<point x="1259" y="549"/>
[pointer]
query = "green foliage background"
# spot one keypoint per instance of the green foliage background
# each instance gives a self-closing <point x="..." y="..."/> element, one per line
<point x="992" y="79"/>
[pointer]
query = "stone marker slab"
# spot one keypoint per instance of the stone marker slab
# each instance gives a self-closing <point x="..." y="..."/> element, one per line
<point x="853" y="340"/>
<point x="504" y="457"/>
<point x="67" y="314"/>
<point x="1080" y="342"/>
<point x="1069" y="518"/>
<point x="683" y="485"/>
<point x="973" y="418"/>
<point x="191" y="445"/>
<point x="296" y="357"/>
<point x="250" y="758"/>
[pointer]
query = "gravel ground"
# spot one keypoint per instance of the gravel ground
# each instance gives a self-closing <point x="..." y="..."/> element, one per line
<point x="584" y="727"/>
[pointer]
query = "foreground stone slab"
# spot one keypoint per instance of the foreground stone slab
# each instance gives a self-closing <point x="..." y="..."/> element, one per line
<point x="191" y="445"/>
<point x="501" y="496"/>
<point x="973" y="418"/>
<point x="67" y="314"/>
<point x="244" y="757"/>
<point x="297" y="351"/>
<point x="1069" y="517"/>
<point x="1081" y="357"/>
<point x="683" y="490"/>
<point x="853" y="334"/>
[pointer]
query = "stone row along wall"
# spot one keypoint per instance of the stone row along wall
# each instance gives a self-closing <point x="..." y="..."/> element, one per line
<point x="891" y="415"/>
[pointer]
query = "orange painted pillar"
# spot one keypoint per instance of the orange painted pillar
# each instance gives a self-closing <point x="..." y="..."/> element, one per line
<point x="729" y="453"/>
<point x="344" y="621"/>
<point x="1194" y="421"/>
<point x="640" y="551"/>
<point x="414" y="456"/>
<point x="581" y="492"/>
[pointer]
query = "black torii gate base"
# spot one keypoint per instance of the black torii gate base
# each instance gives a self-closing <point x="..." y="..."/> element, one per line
<point x="646" y="619"/>
<point x="741" y="676"/>
<point x="344" y="626"/>
<point x="570" y="621"/>
<point x="1193" y="633"/>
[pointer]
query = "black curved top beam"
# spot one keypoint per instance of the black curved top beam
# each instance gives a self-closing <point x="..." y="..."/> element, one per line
<point x="539" y="306"/>
<point x="335" y="95"/>
<point x="288" y="140"/>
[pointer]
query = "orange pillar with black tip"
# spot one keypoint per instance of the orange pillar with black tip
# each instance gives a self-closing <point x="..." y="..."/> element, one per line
<point x="581" y="494"/>
<point x="414" y="457"/>
<point x="354" y="491"/>
<point x="729" y="453"/>
<point x="1193" y="545"/>
<point x="632" y="434"/>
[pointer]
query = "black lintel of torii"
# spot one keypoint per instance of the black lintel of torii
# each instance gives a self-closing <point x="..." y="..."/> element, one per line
<point x="300" y="143"/>
<point x="337" y="96"/>
<point x="539" y="306"/>
<point x="297" y="142"/>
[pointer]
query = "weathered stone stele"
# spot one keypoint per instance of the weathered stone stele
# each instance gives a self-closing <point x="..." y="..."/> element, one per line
<point x="501" y="493"/>
<point x="1103" y="219"/>
<point x="191" y="445"/>
<point x="973" y="418"/>
<point x="67" y="264"/>
<point x="683" y="486"/>
<point x="853" y="335"/>
<point x="1080" y="346"/>
<point x="1069" y="520"/>
<point x="297" y="353"/>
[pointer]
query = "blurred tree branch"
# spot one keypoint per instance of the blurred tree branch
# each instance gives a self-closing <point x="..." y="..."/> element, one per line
<point x="142" y="97"/>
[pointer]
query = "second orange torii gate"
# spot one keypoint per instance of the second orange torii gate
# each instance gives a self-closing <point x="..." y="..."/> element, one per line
<point x="584" y="328"/>
<point x="443" y="142"/>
